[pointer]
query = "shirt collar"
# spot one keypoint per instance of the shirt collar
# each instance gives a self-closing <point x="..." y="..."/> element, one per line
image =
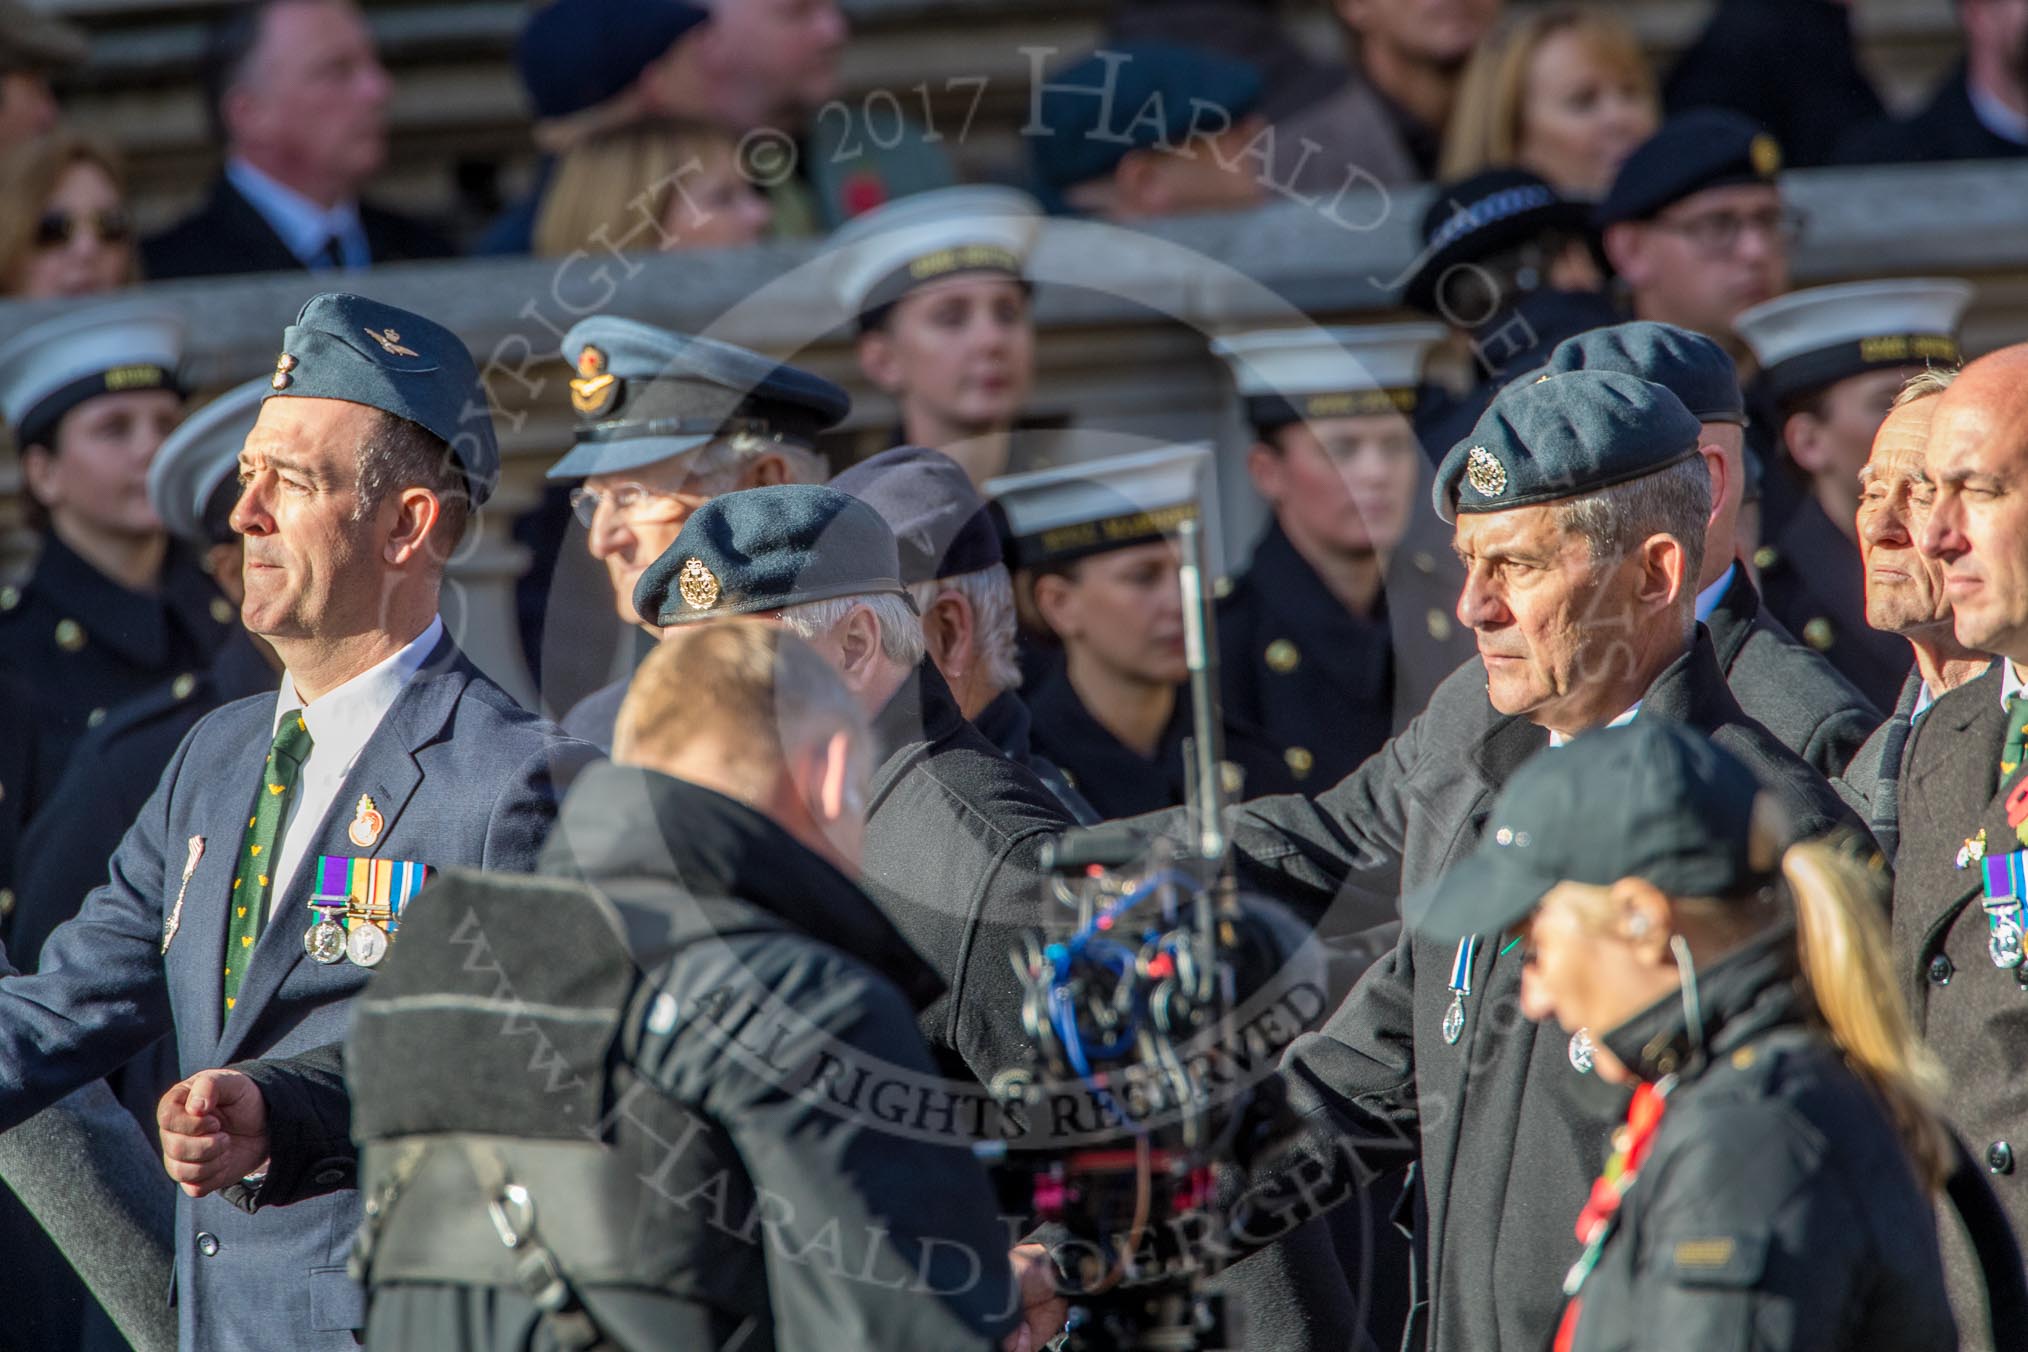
<point x="1924" y="697"/>
<point x="1996" y="116"/>
<point x="2010" y="681"/>
<point x="303" y="226"/>
<point x="1708" y="599"/>
<point x="341" y="720"/>
<point x="1558" y="739"/>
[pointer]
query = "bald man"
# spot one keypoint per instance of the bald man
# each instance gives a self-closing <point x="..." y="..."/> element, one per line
<point x="1964" y="794"/>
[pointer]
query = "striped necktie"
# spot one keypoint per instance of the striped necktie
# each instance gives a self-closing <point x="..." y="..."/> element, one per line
<point x="250" y="886"/>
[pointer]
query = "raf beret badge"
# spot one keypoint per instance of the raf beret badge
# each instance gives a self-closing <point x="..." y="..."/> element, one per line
<point x="593" y="389"/>
<point x="698" y="585"/>
<point x="1487" y="475"/>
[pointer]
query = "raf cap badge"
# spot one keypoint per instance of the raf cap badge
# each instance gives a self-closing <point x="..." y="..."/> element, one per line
<point x="593" y="389"/>
<point x="366" y="823"/>
<point x="390" y="343"/>
<point x="697" y="585"/>
<point x="1487" y="475"/>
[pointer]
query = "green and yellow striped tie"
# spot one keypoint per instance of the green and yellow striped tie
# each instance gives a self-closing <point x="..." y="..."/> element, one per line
<point x="2017" y="735"/>
<point x="250" y="886"/>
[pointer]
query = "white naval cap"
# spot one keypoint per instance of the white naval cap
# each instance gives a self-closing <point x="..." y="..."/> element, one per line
<point x="1293" y="375"/>
<point x="879" y="257"/>
<point x="1809" y="339"/>
<point x="1058" y="515"/>
<point x="187" y="478"/>
<point x="50" y="369"/>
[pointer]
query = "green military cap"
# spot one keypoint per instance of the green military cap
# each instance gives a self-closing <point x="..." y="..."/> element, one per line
<point x="1560" y="436"/>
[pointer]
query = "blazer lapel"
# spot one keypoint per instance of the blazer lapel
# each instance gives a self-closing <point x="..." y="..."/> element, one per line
<point x="1955" y="778"/>
<point x="386" y="769"/>
<point x="198" y="944"/>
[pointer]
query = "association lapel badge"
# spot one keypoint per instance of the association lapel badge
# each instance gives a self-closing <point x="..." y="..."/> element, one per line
<point x="175" y="920"/>
<point x="366" y="823"/>
<point x="390" y="343"/>
<point x="593" y="389"/>
<point x="1973" y="850"/>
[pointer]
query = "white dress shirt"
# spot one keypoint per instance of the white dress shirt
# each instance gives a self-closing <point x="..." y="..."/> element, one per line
<point x="1558" y="739"/>
<point x="1707" y="600"/>
<point x="304" y="227"/>
<point x="340" y="721"/>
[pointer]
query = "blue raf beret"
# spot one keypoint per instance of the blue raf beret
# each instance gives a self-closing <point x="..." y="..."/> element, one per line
<point x="364" y="352"/>
<point x="1561" y="436"/>
<point x="1690" y="366"/>
<point x="1703" y="148"/>
<point x="576" y="54"/>
<point x="1134" y="96"/>
<point x="941" y="525"/>
<point x="644" y="394"/>
<point x="764" y="549"/>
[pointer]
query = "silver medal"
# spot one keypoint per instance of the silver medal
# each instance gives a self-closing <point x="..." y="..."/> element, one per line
<point x="366" y="944"/>
<point x="2003" y="944"/>
<point x="1454" y="1018"/>
<point x="1581" y="1051"/>
<point x="325" y="941"/>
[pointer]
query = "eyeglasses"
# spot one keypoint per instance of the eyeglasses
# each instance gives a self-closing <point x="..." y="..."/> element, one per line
<point x="1716" y="233"/>
<point x="57" y="228"/>
<point x="625" y="500"/>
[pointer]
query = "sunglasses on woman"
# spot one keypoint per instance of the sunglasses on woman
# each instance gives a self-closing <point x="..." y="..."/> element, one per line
<point x="58" y="228"/>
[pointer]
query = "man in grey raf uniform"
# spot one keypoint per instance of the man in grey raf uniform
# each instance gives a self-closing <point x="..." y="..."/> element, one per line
<point x="666" y="422"/>
<point x="384" y="743"/>
<point x="1581" y="505"/>
<point x="1791" y="690"/>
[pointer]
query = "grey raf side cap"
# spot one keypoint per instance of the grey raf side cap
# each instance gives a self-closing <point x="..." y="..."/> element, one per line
<point x="1555" y="436"/>
<point x="359" y="350"/>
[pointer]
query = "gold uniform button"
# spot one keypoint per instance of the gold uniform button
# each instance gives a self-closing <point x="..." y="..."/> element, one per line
<point x="1766" y="557"/>
<point x="70" y="635"/>
<point x="96" y="717"/>
<point x="1231" y="777"/>
<point x="1300" y="761"/>
<point x="1425" y="562"/>
<point x="1819" y="634"/>
<point x="6" y="901"/>
<point x="1439" y="625"/>
<point x="221" y="610"/>
<point x="1282" y="656"/>
<point x="183" y="685"/>
<point x="1221" y="588"/>
<point x="10" y="597"/>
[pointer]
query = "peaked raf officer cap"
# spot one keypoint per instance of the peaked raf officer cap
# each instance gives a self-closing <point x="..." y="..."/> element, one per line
<point x="644" y="394"/>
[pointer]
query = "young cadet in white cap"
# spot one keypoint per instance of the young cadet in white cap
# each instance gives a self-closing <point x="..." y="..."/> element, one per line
<point x="1097" y="539"/>
<point x="114" y="605"/>
<point x="1343" y="624"/>
<point x="938" y="284"/>
<point x="1832" y="360"/>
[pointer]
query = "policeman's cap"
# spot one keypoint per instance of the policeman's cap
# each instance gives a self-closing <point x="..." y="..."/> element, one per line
<point x="1479" y="216"/>
<point x="365" y="352"/>
<point x="1689" y="365"/>
<point x="193" y="480"/>
<point x="1295" y="375"/>
<point x="644" y="394"/>
<point x="765" y="549"/>
<point x="941" y="525"/>
<point x="1134" y="96"/>
<point x="1703" y="148"/>
<point x="50" y="369"/>
<point x="1811" y="339"/>
<point x="926" y="237"/>
<point x="1561" y="436"/>
<point x="1652" y="799"/>
<point x="1058" y="516"/>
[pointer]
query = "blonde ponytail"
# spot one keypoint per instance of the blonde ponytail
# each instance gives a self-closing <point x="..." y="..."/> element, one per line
<point x="1846" y="953"/>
